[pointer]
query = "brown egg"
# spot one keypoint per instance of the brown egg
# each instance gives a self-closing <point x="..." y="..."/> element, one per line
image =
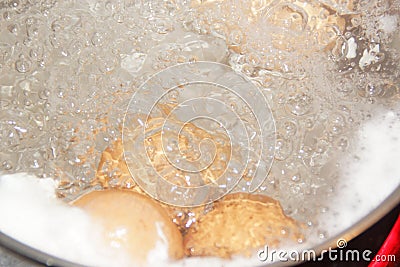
<point x="133" y="222"/>
<point x="112" y="161"/>
<point x="113" y="166"/>
<point x="238" y="224"/>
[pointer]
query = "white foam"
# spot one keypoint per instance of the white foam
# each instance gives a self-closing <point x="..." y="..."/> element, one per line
<point x="352" y="48"/>
<point x="31" y="213"/>
<point x="369" y="174"/>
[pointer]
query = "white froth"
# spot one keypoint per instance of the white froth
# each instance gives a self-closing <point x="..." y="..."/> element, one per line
<point x="369" y="174"/>
<point x="352" y="48"/>
<point x="32" y="214"/>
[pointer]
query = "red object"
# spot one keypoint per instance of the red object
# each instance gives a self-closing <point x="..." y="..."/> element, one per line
<point x="391" y="246"/>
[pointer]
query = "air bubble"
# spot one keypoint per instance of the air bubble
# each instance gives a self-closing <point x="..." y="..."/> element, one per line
<point x="322" y="234"/>
<point x="36" y="52"/>
<point x="27" y="102"/>
<point x="5" y="52"/>
<point x="13" y="28"/>
<point x="163" y="26"/>
<point x="97" y="39"/>
<point x="23" y="65"/>
<point x="56" y="26"/>
<point x="296" y="177"/>
<point x="44" y="94"/>
<point x="283" y="149"/>
<point x="119" y="17"/>
<point x="372" y="90"/>
<point x="7" y="165"/>
<point x="13" y="3"/>
<point x="290" y="128"/>
<point x="33" y="31"/>
<point x="7" y="15"/>
<point x="343" y="143"/>
<point x="30" y="21"/>
<point x="299" y="103"/>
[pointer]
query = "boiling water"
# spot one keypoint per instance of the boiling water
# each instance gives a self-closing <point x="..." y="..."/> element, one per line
<point x="327" y="68"/>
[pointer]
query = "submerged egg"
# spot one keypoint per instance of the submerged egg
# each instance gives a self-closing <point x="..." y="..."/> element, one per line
<point x="135" y="224"/>
<point x="238" y="224"/>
